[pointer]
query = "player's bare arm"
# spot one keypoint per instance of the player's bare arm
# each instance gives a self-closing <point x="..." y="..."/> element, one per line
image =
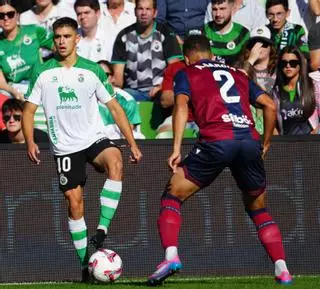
<point x="121" y="120"/>
<point x="167" y="98"/>
<point x="269" y="119"/>
<point x="180" y="117"/>
<point x="28" y="128"/>
<point x="5" y="86"/>
<point x="118" y="75"/>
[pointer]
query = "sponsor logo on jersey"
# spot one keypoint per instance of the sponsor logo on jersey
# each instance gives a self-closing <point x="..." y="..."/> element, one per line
<point x="67" y="94"/>
<point x="15" y="61"/>
<point x="52" y="129"/>
<point x="237" y="121"/>
<point x="291" y="113"/>
<point x="63" y="180"/>
<point x="194" y="32"/>
<point x="27" y="40"/>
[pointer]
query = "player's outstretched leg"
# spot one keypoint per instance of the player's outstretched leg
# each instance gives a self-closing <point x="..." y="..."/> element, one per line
<point x="270" y="237"/>
<point x="109" y="200"/>
<point x="169" y="223"/>
<point x="164" y="270"/>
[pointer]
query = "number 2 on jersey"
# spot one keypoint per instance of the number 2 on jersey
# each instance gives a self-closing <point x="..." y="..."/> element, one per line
<point x="226" y="86"/>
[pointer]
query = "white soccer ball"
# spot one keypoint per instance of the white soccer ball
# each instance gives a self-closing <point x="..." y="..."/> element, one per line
<point x="105" y="265"/>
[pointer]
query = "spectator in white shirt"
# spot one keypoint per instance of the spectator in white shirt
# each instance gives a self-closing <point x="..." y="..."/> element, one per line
<point x="115" y="16"/>
<point x="94" y="40"/>
<point x="44" y="13"/>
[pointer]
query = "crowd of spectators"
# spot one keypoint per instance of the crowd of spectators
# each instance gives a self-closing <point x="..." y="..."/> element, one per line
<point x="138" y="43"/>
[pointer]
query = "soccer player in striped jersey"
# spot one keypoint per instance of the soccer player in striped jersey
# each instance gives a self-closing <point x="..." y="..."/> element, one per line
<point x="69" y="87"/>
<point x="219" y="97"/>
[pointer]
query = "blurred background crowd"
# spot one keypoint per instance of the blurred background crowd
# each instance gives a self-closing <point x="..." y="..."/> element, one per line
<point x="138" y="45"/>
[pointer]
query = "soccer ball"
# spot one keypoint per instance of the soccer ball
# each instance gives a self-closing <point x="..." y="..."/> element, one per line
<point x="105" y="265"/>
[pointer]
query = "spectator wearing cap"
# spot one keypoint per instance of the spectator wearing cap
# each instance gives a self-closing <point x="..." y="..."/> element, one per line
<point x="258" y="59"/>
<point x="283" y="32"/>
<point x="227" y="38"/>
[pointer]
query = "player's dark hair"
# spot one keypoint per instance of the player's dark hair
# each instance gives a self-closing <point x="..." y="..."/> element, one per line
<point x="196" y="43"/>
<point x="65" y="22"/>
<point x="93" y="4"/>
<point x="154" y="3"/>
<point x="12" y="104"/>
<point x="304" y="84"/>
<point x="14" y="3"/>
<point x="108" y="64"/>
<point x="271" y="3"/>
<point x="217" y="2"/>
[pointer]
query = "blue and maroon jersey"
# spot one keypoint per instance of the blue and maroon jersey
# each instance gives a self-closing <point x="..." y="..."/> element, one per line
<point x="219" y="99"/>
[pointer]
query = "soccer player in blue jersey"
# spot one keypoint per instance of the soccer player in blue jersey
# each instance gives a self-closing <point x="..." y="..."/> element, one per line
<point x="220" y="98"/>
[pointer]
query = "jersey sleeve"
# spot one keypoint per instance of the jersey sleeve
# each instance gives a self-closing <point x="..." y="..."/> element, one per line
<point x="104" y="90"/>
<point x="119" y="54"/>
<point x="181" y="84"/>
<point x="171" y="47"/>
<point x="169" y="73"/>
<point x="45" y="37"/>
<point x="132" y="111"/>
<point x="34" y="91"/>
<point x="167" y="83"/>
<point x="254" y="92"/>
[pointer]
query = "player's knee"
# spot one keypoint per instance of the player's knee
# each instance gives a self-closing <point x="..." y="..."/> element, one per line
<point x="115" y="168"/>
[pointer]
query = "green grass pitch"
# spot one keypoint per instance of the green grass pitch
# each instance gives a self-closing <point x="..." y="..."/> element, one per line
<point x="257" y="282"/>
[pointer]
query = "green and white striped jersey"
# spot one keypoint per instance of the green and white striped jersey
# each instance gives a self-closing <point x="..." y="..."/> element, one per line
<point x="70" y="99"/>
<point x="228" y="46"/>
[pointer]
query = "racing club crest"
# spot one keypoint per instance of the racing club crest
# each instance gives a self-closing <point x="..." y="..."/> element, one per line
<point x="231" y="45"/>
<point x="63" y="180"/>
<point x="156" y="46"/>
<point x="80" y="77"/>
<point x="27" y="40"/>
